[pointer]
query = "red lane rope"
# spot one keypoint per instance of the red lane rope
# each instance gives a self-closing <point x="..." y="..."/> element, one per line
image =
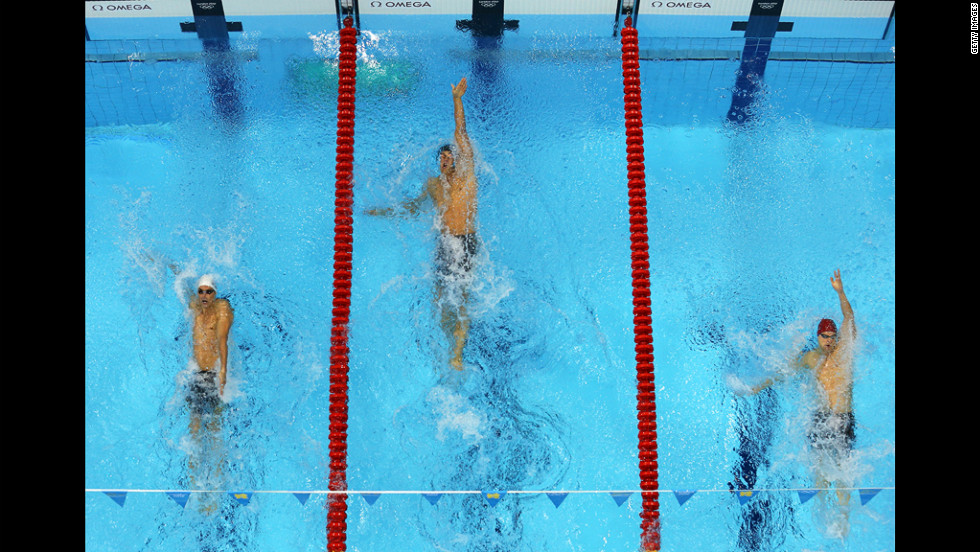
<point x="645" y="397"/>
<point x="342" y="254"/>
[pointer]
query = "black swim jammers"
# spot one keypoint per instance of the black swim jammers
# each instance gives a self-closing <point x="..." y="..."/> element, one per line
<point x="455" y="255"/>
<point x="202" y="393"/>
<point x="832" y="431"/>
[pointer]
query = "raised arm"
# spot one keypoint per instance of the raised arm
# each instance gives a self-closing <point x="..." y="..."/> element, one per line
<point x="158" y="258"/>
<point x="190" y="294"/>
<point x="845" y="306"/>
<point x="462" y="138"/>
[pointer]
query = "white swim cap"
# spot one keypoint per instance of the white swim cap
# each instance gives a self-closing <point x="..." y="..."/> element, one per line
<point x="207" y="280"/>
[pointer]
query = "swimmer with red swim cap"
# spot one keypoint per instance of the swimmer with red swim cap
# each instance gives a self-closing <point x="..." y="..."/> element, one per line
<point x="831" y="432"/>
<point x="827" y="334"/>
<point x="825" y="355"/>
<point x="454" y="195"/>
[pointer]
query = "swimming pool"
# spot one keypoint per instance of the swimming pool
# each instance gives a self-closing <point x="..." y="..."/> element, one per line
<point x="746" y="226"/>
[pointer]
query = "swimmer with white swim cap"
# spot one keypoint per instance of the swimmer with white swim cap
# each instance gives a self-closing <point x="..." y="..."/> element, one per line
<point x="212" y="323"/>
<point x="212" y="319"/>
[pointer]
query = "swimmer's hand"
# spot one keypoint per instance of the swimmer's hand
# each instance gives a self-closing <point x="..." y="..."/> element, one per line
<point x="154" y="259"/>
<point x="402" y="211"/>
<point x="459" y="89"/>
<point x="836" y="283"/>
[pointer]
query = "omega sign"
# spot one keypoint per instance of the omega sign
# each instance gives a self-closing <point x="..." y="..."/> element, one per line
<point x="401" y="4"/>
<point x="687" y="5"/>
<point x="120" y="7"/>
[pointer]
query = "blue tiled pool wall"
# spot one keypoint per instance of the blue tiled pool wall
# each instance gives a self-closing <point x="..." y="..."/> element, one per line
<point x="833" y="70"/>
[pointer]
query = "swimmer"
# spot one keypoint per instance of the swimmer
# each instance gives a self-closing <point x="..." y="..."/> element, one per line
<point x="831" y="433"/>
<point x="211" y="318"/>
<point x="454" y="194"/>
<point x="212" y="323"/>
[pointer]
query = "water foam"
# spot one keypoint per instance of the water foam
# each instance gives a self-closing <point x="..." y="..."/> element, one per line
<point x="455" y="416"/>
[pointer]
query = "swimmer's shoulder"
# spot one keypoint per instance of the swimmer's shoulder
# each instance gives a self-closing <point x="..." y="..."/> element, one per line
<point x="223" y="306"/>
<point x="812" y="358"/>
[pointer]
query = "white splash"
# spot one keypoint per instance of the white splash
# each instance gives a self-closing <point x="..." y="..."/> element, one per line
<point x="454" y="415"/>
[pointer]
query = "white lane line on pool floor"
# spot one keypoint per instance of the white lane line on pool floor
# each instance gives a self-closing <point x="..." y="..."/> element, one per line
<point x="354" y="491"/>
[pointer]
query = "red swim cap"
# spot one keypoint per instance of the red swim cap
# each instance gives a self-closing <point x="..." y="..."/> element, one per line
<point x="826" y="325"/>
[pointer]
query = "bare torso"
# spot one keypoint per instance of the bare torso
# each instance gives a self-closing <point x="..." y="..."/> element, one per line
<point x="455" y="198"/>
<point x="833" y="372"/>
<point x="206" y="340"/>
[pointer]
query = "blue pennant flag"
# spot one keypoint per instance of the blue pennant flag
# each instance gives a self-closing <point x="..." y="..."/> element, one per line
<point x="493" y="497"/>
<point x="557" y="498"/>
<point x="118" y="496"/>
<point x="620" y="497"/>
<point x="683" y="496"/>
<point x="432" y="497"/>
<point x="370" y="498"/>
<point x="807" y="494"/>
<point x="180" y="497"/>
<point x="867" y="494"/>
<point x="744" y="496"/>
<point x="241" y="497"/>
<point x="302" y="497"/>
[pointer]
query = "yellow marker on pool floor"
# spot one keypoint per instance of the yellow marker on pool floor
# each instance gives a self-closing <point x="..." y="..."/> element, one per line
<point x="493" y="497"/>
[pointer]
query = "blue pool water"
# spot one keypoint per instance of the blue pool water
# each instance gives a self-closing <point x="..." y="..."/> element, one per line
<point x="226" y="165"/>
